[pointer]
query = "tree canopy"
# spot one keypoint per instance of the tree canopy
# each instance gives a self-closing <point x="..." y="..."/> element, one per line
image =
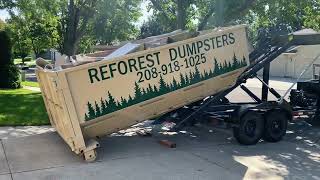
<point x="292" y="15"/>
<point x="74" y="26"/>
<point x="71" y="25"/>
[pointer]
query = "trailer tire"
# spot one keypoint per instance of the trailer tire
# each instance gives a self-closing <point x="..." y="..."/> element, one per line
<point x="276" y="122"/>
<point x="250" y="129"/>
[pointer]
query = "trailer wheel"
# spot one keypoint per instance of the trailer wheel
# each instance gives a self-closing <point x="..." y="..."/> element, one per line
<point x="251" y="128"/>
<point x="276" y="122"/>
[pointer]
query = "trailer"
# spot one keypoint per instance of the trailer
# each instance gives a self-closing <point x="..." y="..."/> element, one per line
<point x="262" y="119"/>
<point x="188" y="78"/>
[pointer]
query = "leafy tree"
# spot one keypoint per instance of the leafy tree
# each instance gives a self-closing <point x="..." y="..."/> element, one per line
<point x="104" y="20"/>
<point x="22" y="43"/>
<point x="6" y="4"/>
<point x="73" y="26"/>
<point x="32" y="26"/>
<point x="115" y="20"/>
<point x="282" y="17"/>
<point x="9" y="73"/>
<point x="2" y="25"/>
<point x="311" y="18"/>
<point x="182" y="14"/>
<point x="154" y="26"/>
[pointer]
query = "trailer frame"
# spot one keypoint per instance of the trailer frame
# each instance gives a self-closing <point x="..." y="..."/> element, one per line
<point x="262" y="110"/>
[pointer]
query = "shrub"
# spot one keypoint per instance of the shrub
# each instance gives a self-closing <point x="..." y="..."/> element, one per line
<point x="26" y="59"/>
<point x="9" y="73"/>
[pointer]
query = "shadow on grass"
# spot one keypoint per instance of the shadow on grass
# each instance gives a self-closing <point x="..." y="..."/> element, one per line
<point x="22" y="107"/>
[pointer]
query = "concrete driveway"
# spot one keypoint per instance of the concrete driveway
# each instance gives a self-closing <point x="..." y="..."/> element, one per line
<point x="203" y="152"/>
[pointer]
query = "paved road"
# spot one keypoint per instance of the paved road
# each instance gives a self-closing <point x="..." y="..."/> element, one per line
<point x="203" y="152"/>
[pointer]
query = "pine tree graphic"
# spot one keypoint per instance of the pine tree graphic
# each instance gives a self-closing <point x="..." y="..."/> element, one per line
<point x="110" y="104"/>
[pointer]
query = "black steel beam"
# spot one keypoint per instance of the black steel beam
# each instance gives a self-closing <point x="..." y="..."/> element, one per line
<point x="266" y="77"/>
<point x="250" y="93"/>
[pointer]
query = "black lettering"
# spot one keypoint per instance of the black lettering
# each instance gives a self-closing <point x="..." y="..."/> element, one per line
<point x="171" y="50"/>
<point x="150" y="60"/>
<point x="141" y="62"/>
<point x="219" y="42"/>
<point x="93" y="74"/>
<point x="132" y="64"/>
<point x="232" y="39"/>
<point x="111" y="69"/>
<point x="123" y="70"/>
<point x="157" y="55"/>
<point x="225" y="40"/>
<point x="191" y="50"/>
<point x="213" y="42"/>
<point x="206" y="44"/>
<point x="199" y="45"/>
<point x="184" y="51"/>
<point x="103" y="72"/>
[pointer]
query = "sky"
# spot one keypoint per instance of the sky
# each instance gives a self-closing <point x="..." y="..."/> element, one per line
<point x="145" y="13"/>
<point x="3" y="15"/>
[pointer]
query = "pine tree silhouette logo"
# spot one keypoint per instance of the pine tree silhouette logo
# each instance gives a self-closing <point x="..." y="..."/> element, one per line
<point x="109" y="104"/>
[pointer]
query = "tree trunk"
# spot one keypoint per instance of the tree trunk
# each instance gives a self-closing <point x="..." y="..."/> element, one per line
<point x="205" y="19"/>
<point x="219" y="18"/>
<point x="70" y="38"/>
<point x="181" y="14"/>
<point x="69" y="47"/>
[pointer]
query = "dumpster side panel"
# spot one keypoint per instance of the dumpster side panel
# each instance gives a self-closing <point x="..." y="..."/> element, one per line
<point x="57" y="110"/>
<point x="114" y="94"/>
<point x="126" y="117"/>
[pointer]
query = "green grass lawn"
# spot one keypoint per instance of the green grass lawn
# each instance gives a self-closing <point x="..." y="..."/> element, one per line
<point x="28" y="63"/>
<point x="22" y="107"/>
<point x="29" y="83"/>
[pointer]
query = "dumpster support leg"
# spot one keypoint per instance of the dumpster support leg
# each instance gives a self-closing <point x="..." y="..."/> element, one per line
<point x="90" y="154"/>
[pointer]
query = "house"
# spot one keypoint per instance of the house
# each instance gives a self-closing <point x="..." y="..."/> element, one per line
<point x="291" y="63"/>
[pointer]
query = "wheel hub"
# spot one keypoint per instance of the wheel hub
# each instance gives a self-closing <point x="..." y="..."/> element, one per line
<point x="276" y="126"/>
<point x="250" y="128"/>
